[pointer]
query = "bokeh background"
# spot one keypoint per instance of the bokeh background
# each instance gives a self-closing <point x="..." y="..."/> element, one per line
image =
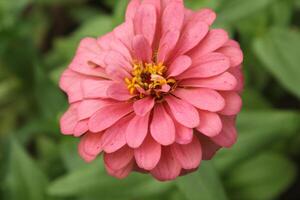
<point x="38" y="39"/>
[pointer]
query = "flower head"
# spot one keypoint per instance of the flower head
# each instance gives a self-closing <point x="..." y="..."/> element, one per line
<point x="158" y="94"/>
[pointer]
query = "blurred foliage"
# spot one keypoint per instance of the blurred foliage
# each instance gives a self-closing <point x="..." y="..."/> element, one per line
<point x="39" y="37"/>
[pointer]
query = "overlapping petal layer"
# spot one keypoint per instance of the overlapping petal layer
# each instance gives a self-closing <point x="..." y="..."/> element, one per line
<point x="158" y="94"/>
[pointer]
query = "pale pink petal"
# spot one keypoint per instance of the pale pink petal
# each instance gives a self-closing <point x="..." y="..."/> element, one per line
<point x="142" y="49"/>
<point x="234" y="54"/>
<point x="237" y="73"/>
<point x="211" y="124"/>
<point x="148" y="154"/>
<point x="165" y="3"/>
<point x="228" y="135"/>
<point x="118" y="91"/>
<point x="88" y="107"/>
<point x="117" y="59"/>
<point x="145" y="22"/>
<point x="137" y="130"/>
<point x="193" y="33"/>
<point x="108" y="115"/>
<point x="154" y="3"/>
<point x="125" y="33"/>
<point x="162" y="127"/>
<point x="120" y="173"/>
<point x="116" y="73"/>
<point x="118" y="159"/>
<point x="143" y="106"/>
<point x="168" y="167"/>
<point x="223" y="82"/>
<point x="209" y="148"/>
<point x="69" y="120"/>
<point x="232" y="43"/>
<point x="202" y="98"/>
<point x="165" y="88"/>
<point x="95" y="88"/>
<point x="188" y="155"/>
<point x="81" y="128"/>
<point x="179" y="65"/>
<point x="117" y="45"/>
<point x="70" y="82"/>
<point x="132" y="9"/>
<point x="206" y="15"/>
<point x="114" y="137"/>
<point x="183" y="112"/>
<point x="209" y="65"/>
<point x="167" y="44"/>
<point x="172" y="18"/>
<point x="90" y="146"/>
<point x="215" y="39"/>
<point x="89" y="64"/>
<point x="184" y="135"/>
<point x="233" y="103"/>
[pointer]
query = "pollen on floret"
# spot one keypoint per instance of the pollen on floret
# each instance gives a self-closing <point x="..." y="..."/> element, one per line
<point x="148" y="79"/>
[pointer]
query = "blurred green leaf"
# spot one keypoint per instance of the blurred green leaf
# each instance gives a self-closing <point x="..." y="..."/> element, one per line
<point x="279" y="51"/>
<point x="92" y="180"/>
<point x="234" y="10"/>
<point x="262" y="178"/>
<point x="203" y="184"/>
<point x="25" y="179"/>
<point x="258" y="130"/>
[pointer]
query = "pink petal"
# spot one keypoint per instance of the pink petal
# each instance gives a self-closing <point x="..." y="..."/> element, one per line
<point x="116" y="73"/>
<point x="143" y="106"/>
<point x="81" y="128"/>
<point x="118" y="91"/>
<point x="167" y="44"/>
<point x="233" y="103"/>
<point x="142" y="48"/>
<point x="162" y="127"/>
<point x="117" y="59"/>
<point x="108" y="115"/>
<point x="206" y="15"/>
<point x="95" y="88"/>
<point x="225" y="81"/>
<point x="70" y="82"/>
<point x="232" y="43"/>
<point x="137" y="130"/>
<point x="145" y="22"/>
<point x="88" y="107"/>
<point x="179" y="65"/>
<point x="213" y="41"/>
<point x="210" y="65"/>
<point x="114" y="137"/>
<point x="132" y="9"/>
<point x="234" y="54"/>
<point x="125" y="33"/>
<point x="69" y="120"/>
<point x="184" y="135"/>
<point x="172" y="18"/>
<point x="168" y="167"/>
<point x="192" y="34"/>
<point x="202" y="98"/>
<point x="118" y="159"/>
<point x="154" y="3"/>
<point x="209" y="148"/>
<point x="148" y="154"/>
<point x="228" y="136"/>
<point x="183" y="112"/>
<point x="237" y="73"/>
<point x="90" y="146"/>
<point x="211" y="124"/>
<point x="188" y="155"/>
<point x="120" y="173"/>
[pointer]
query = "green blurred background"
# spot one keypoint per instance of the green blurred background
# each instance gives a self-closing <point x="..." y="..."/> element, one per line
<point x="38" y="39"/>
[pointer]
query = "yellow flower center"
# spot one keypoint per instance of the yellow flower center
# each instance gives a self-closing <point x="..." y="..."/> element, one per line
<point x="148" y="78"/>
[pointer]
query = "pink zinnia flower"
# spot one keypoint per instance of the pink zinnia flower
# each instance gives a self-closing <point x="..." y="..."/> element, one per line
<point x="158" y="94"/>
